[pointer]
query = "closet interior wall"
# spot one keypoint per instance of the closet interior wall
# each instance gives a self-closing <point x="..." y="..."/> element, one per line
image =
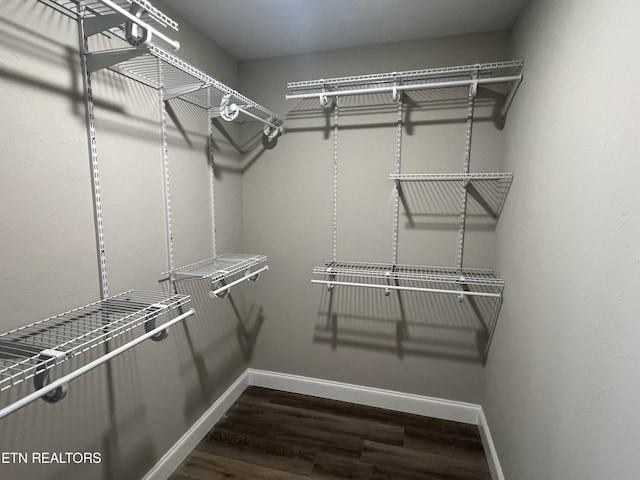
<point x="288" y="205"/>
<point x="562" y="377"/>
<point x="133" y="409"/>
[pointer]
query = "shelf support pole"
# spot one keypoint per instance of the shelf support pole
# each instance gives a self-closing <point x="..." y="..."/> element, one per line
<point x="473" y="88"/>
<point x="336" y="115"/>
<point x="166" y="188"/>
<point x="396" y="192"/>
<point x="93" y="156"/>
<point x="212" y="173"/>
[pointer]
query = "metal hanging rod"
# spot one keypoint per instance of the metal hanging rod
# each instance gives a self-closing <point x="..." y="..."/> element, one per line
<point x="458" y="293"/>
<point x="63" y="381"/>
<point x="398" y="88"/>
<point x="250" y="276"/>
<point x="229" y="111"/>
<point x="444" y="177"/>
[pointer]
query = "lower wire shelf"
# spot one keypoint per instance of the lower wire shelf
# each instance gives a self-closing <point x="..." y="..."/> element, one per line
<point x="30" y="352"/>
<point x="218" y="269"/>
<point x="478" y="293"/>
<point x="416" y="278"/>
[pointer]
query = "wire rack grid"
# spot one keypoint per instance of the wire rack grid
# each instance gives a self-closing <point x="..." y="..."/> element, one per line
<point x="34" y="348"/>
<point x="411" y="77"/>
<point x="416" y="273"/>
<point x="96" y="8"/>
<point x="218" y="268"/>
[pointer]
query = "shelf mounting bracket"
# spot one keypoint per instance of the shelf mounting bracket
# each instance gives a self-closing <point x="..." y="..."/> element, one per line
<point x="43" y="378"/>
<point x="98" y="61"/>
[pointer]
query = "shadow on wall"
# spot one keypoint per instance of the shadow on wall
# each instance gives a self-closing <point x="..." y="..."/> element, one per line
<point x="435" y="205"/>
<point x="246" y="138"/>
<point x="407" y="323"/>
<point x="226" y="318"/>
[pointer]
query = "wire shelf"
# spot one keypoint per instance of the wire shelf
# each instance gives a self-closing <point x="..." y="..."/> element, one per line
<point x="364" y="271"/>
<point x="157" y="68"/>
<point x="94" y="8"/>
<point x="161" y="69"/>
<point x="218" y="268"/>
<point x="424" y="194"/>
<point x="35" y="348"/>
<point x="501" y="76"/>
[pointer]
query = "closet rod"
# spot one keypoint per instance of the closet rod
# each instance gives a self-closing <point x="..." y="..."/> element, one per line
<point x="419" y="86"/>
<point x="248" y="276"/>
<point x="266" y="122"/>
<point x="24" y="401"/>
<point x="409" y="289"/>
<point x="117" y="8"/>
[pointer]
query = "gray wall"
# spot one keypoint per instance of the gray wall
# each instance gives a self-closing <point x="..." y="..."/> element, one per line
<point x="135" y="408"/>
<point x="562" y="377"/>
<point x="287" y="201"/>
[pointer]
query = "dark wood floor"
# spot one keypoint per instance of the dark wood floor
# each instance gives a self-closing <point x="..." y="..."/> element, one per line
<point x="274" y="435"/>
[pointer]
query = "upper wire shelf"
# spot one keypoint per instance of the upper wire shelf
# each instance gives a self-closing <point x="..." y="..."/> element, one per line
<point x="218" y="269"/>
<point x="503" y="77"/>
<point x="32" y="350"/>
<point x="417" y="278"/>
<point x="98" y="7"/>
<point x="152" y="65"/>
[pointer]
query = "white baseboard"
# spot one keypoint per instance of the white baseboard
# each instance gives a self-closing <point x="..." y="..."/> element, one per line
<point x="183" y="447"/>
<point x="489" y="448"/>
<point x="374" y="397"/>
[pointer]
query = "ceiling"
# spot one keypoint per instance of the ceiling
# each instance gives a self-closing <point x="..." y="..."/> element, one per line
<point x="251" y="29"/>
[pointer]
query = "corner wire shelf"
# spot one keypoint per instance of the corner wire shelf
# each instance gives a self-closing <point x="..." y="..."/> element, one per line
<point x="155" y="67"/>
<point x="488" y="189"/>
<point x="33" y="350"/>
<point x="503" y="77"/>
<point x="219" y="269"/>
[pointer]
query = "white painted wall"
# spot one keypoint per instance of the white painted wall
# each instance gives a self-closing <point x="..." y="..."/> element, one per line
<point x="287" y="201"/>
<point x="135" y="408"/>
<point x="562" y="377"/>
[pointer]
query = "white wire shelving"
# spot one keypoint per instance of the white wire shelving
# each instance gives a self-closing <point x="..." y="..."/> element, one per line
<point x="417" y="278"/>
<point x="428" y="196"/>
<point x="220" y="268"/>
<point x="135" y="22"/>
<point x="31" y="351"/>
<point x="489" y="190"/>
<point x="502" y="77"/>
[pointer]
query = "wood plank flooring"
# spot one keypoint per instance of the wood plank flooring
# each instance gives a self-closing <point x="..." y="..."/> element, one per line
<point x="273" y="435"/>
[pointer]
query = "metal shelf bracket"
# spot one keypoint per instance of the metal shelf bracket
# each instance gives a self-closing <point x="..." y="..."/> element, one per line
<point x="43" y="378"/>
<point x="98" y="61"/>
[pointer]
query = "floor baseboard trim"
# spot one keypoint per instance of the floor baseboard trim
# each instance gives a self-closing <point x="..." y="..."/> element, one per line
<point x="373" y="397"/>
<point x="183" y="447"/>
<point x="489" y="448"/>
